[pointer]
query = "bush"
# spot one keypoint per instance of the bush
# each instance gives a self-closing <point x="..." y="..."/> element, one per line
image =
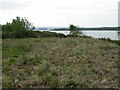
<point x="49" y="34"/>
<point x="74" y="30"/>
<point x="112" y="41"/>
<point x="19" y="28"/>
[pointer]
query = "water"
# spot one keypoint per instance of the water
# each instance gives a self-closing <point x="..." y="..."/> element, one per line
<point x="113" y="35"/>
<point x="105" y="34"/>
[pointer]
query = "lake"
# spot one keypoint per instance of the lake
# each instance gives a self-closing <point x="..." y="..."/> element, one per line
<point x="113" y="35"/>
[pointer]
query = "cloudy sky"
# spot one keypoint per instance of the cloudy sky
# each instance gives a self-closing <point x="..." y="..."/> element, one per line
<point x="61" y="13"/>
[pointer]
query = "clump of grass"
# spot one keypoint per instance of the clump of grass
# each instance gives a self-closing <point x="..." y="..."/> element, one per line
<point x="71" y="84"/>
<point x="50" y="81"/>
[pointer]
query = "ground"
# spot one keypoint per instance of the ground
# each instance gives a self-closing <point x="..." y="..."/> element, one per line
<point x="59" y="62"/>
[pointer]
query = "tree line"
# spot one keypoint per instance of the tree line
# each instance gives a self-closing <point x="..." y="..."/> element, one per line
<point x="22" y="28"/>
<point x="95" y="28"/>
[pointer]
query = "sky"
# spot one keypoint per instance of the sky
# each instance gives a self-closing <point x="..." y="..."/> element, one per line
<point x="61" y="13"/>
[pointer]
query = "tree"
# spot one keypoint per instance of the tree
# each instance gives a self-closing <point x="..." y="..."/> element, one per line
<point x="7" y="27"/>
<point x="18" y="28"/>
<point x="21" y="24"/>
<point x="74" y="30"/>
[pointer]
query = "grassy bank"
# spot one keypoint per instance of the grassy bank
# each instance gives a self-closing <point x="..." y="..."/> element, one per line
<point x="60" y="62"/>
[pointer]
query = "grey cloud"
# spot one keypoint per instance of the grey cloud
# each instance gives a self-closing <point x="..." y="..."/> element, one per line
<point x="11" y="4"/>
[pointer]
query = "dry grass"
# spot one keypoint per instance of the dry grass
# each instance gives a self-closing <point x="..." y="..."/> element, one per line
<point x="60" y="62"/>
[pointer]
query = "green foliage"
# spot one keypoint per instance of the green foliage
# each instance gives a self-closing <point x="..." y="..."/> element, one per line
<point x="7" y="27"/>
<point x="18" y="28"/>
<point x="11" y="52"/>
<point x="49" y="34"/>
<point x="109" y="40"/>
<point x="74" y="30"/>
<point x="50" y="81"/>
<point x="22" y="28"/>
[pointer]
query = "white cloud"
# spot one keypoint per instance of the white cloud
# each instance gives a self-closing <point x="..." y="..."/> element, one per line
<point x="62" y="12"/>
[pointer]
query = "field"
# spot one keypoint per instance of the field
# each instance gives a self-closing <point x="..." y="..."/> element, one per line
<point x="59" y="63"/>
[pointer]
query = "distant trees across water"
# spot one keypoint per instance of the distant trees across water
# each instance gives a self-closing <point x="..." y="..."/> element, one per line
<point x="99" y="28"/>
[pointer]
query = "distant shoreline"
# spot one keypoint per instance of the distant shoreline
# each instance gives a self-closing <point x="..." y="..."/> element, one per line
<point x="83" y="30"/>
<point x="80" y="28"/>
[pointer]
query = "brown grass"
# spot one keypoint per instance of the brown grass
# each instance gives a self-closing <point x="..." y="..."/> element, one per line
<point x="60" y="62"/>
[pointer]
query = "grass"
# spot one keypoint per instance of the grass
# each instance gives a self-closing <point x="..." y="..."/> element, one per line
<point x="59" y="63"/>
